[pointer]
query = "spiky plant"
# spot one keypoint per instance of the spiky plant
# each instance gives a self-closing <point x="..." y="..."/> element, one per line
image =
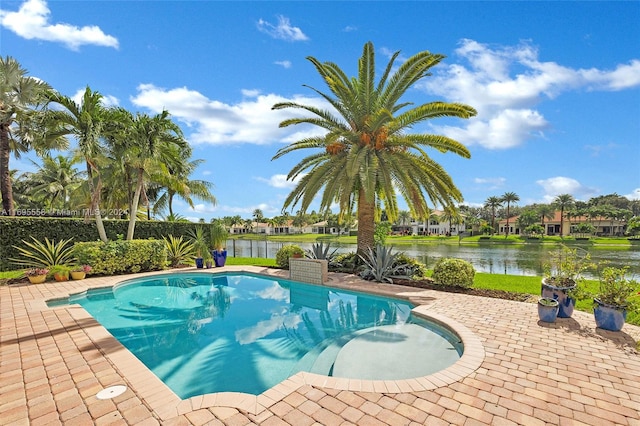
<point x="321" y="252"/>
<point x="179" y="251"/>
<point x="381" y="265"/>
<point x="38" y="254"/>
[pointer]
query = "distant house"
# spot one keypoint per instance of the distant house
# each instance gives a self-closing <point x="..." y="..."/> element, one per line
<point x="432" y="226"/>
<point x="322" y="228"/>
<point x="265" y="229"/>
<point x="603" y="226"/>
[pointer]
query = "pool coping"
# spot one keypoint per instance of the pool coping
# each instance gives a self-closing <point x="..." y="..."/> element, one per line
<point x="166" y="404"/>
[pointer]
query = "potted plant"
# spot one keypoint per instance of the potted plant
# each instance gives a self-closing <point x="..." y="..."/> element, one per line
<point x="548" y="309"/>
<point x="80" y="272"/>
<point x="199" y="245"/>
<point x="563" y="277"/>
<point x="60" y="272"/>
<point x="615" y="298"/>
<point x="36" y="275"/>
<point x="219" y="235"/>
<point x="208" y="259"/>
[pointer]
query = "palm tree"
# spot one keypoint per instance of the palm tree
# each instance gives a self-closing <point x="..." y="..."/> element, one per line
<point x="148" y="148"/>
<point x="20" y="97"/>
<point x="178" y="183"/>
<point x="404" y="218"/>
<point x="55" y="180"/>
<point x="258" y="215"/>
<point x="450" y="215"/>
<point x="509" y="197"/>
<point x="545" y="211"/>
<point x="563" y="202"/>
<point x="493" y="203"/>
<point x="87" y="122"/>
<point x="366" y="152"/>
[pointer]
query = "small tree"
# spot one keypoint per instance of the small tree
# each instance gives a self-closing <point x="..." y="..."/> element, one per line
<point x="534" y="230"/>
<point x="585" y="229"/>
<point x="633" y="227"/>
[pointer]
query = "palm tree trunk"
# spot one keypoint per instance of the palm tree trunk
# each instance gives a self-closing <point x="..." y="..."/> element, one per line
<point x="170" y="203"/>
<point x="366" y="223"/>
<point x="95" y="204"/>
<point x="133" y="207"/>
<point x="5" y="177"/>
<point x="506" y="229"/>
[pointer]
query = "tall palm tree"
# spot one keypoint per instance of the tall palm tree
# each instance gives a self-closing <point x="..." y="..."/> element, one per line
<point x="20" y="97"/>
<point x="88" y="123"/>
<point x="509" y="197"/>
<point x="149" y="145"/>
<point x="563" y="202"/>
<point x="493" y="203"/>
<point x="545" y="211"/>
<point x="178" y="183"/>
<point x="258" y="215"/>
<point x="367" y="152"/>
<point x="404" y="218"/>
<point x="450" y="215"/>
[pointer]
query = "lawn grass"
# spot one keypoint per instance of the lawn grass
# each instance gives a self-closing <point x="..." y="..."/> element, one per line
<point x="251" y="261"/>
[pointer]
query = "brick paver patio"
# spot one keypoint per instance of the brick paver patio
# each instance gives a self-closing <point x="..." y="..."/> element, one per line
<point x="53" y="362"/>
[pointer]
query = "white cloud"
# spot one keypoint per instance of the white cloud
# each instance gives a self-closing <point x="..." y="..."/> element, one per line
<point x="491" y="182"/>
<point x="505" y="129"/>
<point x="248" y="121"/>
<point x="504" y="84"/>
<point x="284" y="64"/>
<point x="283" y="30"/>
<point x="31" y="21"/>
<point x="280" y="181"/>
<point x="564" y="185"/>
<point x="635" y="194"/>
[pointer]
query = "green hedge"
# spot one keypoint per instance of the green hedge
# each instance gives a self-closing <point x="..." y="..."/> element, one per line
<point x="13" y="230"/>
<point x="119" y="257"/>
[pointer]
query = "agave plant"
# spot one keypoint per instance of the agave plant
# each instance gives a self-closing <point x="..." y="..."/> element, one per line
<point x="321" y="252"/>
<point x="381" y="265"/>
<point x="179" y="251"/>
<point x="38" y="254"/>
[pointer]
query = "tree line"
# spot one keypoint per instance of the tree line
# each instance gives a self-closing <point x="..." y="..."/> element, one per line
<point x="134" y="164"/>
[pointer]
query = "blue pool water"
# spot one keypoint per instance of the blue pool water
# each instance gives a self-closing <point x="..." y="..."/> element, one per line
<point x="203" y="333"/>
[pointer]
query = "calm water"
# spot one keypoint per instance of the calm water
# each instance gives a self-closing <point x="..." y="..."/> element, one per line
<point x="203" y="333"/>
<point x="520" y="259"/>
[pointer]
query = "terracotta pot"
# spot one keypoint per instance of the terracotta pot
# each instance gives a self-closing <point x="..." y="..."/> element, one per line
<point x="37" y="279"/>
<point x="61" y="277"/>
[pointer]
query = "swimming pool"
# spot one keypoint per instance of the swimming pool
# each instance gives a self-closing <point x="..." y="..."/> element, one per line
<point x="204" y="333"/>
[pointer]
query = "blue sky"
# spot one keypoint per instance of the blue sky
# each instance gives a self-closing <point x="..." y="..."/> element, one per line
<point x="556" y="84"/>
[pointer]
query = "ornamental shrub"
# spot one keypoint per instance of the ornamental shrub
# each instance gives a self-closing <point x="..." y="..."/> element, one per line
<point x="122" y="257"/>
<point x="411" y="266"/>
<point x="283" y="255"/>
<point x="455" y="272"/>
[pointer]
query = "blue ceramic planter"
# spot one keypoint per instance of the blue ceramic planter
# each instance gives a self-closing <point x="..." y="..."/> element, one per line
<point x="566" y="303"/>
<point x="548" y="312"/>
<point x="609" y="317"/>
<point x="199" y="262"/>
<point x="219" y="257"/>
